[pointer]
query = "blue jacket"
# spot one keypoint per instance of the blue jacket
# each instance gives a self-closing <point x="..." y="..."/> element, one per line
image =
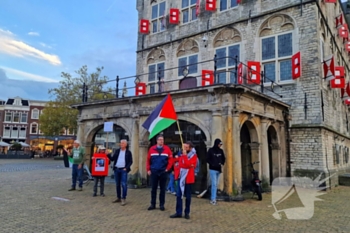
<point x="159" y="159"/>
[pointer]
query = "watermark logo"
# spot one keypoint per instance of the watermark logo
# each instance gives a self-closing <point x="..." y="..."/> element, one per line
<point x="295" y="196"/>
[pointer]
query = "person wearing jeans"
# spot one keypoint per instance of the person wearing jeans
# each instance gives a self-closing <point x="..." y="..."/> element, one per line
<point x="216" y="160"/>
<point x="77" y="154"/>
<point x="122" y="162"/>
<point x="171" y="184"/>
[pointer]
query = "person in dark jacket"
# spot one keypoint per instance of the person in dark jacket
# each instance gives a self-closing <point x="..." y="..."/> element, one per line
<point x="122" y="158"/>
<point x="159" y="163"/>
<point x="215" y="159"/>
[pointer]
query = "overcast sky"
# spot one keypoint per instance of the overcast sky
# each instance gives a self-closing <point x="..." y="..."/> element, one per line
<point x="40" y="39"/>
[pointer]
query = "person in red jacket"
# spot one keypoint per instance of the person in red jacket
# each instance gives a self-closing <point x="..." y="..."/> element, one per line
<point x="159" y="163"/>
<point x="186" y="177"/>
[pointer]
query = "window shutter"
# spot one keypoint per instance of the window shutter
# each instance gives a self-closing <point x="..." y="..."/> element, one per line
<point x="328" y="68"/>
<point x="253" y="72"/>
<point x="174" y="16"/>
<point x="296" y="65"/>
<point x="210" y="5"/>
<point x="347" y="46"/>
<point x="144" y="26"/>
<point x="343" y="31"/>
<point x="207" y="77"/>
<point x="240" y="73"/>
<point x="339" y="20"/>
<point x="338" y="83"/>
<point x="140" y="89"/>
<point x="330" y="1"/>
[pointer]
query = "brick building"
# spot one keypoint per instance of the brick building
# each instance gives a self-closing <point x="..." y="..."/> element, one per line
<point x="295" y="123"/>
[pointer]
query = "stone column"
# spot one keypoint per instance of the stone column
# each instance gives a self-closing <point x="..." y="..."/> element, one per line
<point x="134" y="145"/>
<point x="236" y="150"/>
<point x="216" y="130"/>
<point x="228" y="177"/>
<point x="265" y="172"/>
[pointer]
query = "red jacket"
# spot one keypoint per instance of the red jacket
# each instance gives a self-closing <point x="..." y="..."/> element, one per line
<point x="159" y="160"/>
<point x="189" y="164"/>
<point x="176" y="167"/>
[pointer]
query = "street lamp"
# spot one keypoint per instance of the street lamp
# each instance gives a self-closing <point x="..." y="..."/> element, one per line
<point x="185" y="72"/>
<point x="137" y="80"/>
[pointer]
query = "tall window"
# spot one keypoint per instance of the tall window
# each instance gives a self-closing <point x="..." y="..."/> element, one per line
<point x="8" y="117"/>
<point x="158" y="17"/>
<point x="14" y="132"/>
<point x="34" y="128"/>
<point x="227" y="4"/>
<point x="16" y="117"/>
<point x="189" y="62"/>
<point x="7" y="132"/>
<point x="35" y="114"/>
<point x="276" y="53"/>
<point x="226" y="66"/>
<point x="154" y="71"/>
<point x="188" y="10"/>
<point x="22" y="132"/>
<point x="24" y="117"/>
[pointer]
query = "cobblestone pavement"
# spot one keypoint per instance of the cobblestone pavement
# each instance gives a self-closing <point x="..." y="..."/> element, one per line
<point x="27" y="188"/>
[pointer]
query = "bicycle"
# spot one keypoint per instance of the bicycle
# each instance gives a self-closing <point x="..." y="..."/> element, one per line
<point x="87" y="177"/>
<point x="255" y="182"/>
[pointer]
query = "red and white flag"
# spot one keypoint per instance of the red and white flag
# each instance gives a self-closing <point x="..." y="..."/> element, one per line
<point x="198" y="7"/>
<point x="339" y="20"/>
<point x="328" y="68"/>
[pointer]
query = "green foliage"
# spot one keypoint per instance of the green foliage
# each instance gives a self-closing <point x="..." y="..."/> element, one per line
<point x="16" y="146"/>
<point x="58" y="115"/>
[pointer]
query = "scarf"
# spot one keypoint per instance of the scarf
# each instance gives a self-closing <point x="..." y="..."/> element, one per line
<point x="184" y="172"/>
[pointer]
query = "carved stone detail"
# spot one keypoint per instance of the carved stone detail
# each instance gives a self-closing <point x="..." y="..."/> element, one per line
<point x="187" y="47"/>
<point x="276" y="24"/>
<point x="226" y="37"/>
<point x="156" y="55"/>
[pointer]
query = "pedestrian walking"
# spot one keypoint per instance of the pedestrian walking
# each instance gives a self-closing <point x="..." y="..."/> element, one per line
<point x="122" y="158"/>
<point x="216" y="160"/>
<point x="186" y="178"/>
<point x="159" y="162"/>
<point x="78" y="155"/>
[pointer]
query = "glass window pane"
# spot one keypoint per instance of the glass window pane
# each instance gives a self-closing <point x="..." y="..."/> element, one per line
<point x="154" y="26"/>
<point x="151" y="73"/>
<point x="233" y="76"/>
<point x="155" y="11"/>
<point x="161" y="67"/>
<point x="222" y="77"/>
<point x="193" y="2"/>
<point x="221" y="53"/>
<point x="182" y="65"/>
<point x="223" y="5"/>
<point x="270" y="72"/>
<point x="152" y="88"/>
<point x="193" y="68"/>
<point x="161" y="9"/>
<point x="193" y="12"/>
<point x="233" y="51"/>
<point x="184" y="3"/>
<point x="286" y="70"/>
<point x="185" y="16"/>
<point x="285" y="45"/>
<point x="233" y="3"/>
<point x="268" y="48"/>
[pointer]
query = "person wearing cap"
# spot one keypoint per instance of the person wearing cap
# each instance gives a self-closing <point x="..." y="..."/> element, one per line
<point x="101" y="179"/>
<point x="216" y="160"/>
<point x="78" y="154"/>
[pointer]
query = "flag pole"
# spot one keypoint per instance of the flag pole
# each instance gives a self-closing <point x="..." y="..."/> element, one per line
<point x="178" y="126"/>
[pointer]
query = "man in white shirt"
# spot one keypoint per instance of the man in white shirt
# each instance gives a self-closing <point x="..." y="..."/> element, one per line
<point x="122" y="162"/>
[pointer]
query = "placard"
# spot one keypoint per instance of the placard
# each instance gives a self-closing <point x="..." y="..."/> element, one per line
<point x="108" y="127"/>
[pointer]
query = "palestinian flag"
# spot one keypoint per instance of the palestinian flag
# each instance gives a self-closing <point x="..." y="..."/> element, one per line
<point x="162" y="117"/>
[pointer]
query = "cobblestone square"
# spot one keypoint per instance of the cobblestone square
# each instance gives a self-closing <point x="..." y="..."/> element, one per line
<point x="29" y="189"/>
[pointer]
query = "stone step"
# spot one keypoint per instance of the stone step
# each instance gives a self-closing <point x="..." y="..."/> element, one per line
<point x="344" y="179"/>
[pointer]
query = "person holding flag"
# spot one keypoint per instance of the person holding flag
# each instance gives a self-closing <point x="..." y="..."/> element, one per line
<point x="160" y="157"/>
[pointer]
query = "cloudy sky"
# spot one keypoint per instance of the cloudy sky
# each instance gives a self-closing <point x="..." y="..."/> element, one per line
<point x="40" y="39"/>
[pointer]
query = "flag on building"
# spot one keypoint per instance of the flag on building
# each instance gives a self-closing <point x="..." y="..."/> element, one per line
<point x="162" y="117"/>
<point x="164" y="20"/>
<point x="198" y="6"/>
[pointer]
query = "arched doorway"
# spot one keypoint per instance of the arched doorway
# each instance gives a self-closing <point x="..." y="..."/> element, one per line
<point x="249" y="152"/>
<point x="190" y="132"/>
<point x="273" y="153"/>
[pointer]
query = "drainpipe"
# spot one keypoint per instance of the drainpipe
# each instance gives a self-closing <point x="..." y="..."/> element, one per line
<point x="289" y="162"/>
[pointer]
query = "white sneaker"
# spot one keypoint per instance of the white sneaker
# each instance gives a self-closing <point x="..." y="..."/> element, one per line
<point x="168" y="191"/>
<point x="213" y="202"/>
<point x="173" y="193"/>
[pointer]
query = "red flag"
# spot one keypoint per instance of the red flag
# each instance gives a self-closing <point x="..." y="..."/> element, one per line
<point x="198" y="6"/>
<point x="144" y="26"/>
<point x="296" y="66"/>
<point x="253" y="72"/>
<point x="339" y="20"/>
<point x="338" y="83"/>
<point x="343" y="31"/>
<point x="240" y="73"/>
<point x="328" y="68"/>
<point x="174" y="16"/>
<point x="207" y="77"/>
<point x="210" y="5"/>
<point x="330" y="1"/>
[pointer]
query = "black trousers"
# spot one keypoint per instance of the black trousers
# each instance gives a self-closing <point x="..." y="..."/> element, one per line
<point x="158" y="179"/>
<point x="102" y="183"/>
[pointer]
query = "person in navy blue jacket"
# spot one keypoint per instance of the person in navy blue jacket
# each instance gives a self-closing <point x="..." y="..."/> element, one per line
<point x="159" y="163"/>
<point x="122" y="158"/>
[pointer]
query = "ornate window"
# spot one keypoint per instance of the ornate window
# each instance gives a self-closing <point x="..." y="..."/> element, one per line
<point x="35" y="114"/>
<point x="188" y="10"/>
<point x="158" y="17"/>
<point x="156" y="66"/>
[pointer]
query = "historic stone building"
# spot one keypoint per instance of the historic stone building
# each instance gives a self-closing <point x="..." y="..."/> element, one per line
<point x="293" y="125"/>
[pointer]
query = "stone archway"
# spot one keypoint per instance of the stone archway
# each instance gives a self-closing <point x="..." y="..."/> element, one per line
<point x="249" y="151"/>
<point x="274" y="148"/>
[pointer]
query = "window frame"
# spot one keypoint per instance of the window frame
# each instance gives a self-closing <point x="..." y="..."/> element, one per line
<point x="26" y="115"/>
<point x="155" y="82"/>
<point x="11" y="116"/>
<point x="229" y="7"/>
<point x="190" y="7"/>
<point x="181" y="68"/>
<point x="9" y="132"/>
<point x="12" y="132"/>
<point x="24" y="134"/>
<point x="18" y="114"/>
<point x="32" y="113"/>
<point x="227" y="69"/>
<point x="31" y="128"/>
<point x="277" y="60"/>
<point x="159" y="17"/>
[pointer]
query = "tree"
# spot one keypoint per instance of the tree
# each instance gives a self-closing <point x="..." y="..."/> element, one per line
<point x="58" y="115"/>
